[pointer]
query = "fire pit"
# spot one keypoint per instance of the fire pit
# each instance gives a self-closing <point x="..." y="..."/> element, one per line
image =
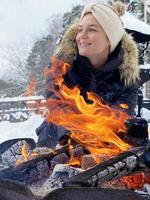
<point x="47" y="170"/>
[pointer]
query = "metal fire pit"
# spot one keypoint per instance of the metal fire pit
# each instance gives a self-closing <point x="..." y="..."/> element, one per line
<point x="10" y="190"/>
<point x="7" y="144"/>
<point x="92" y="193"/>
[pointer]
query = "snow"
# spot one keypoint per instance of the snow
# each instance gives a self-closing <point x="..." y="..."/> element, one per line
<point x="21" y="98"/>
<point x="132" y="23"/>
<point x="146" y="114"/>
<point x="145" y="66"/>
<point x="24" y="129"/>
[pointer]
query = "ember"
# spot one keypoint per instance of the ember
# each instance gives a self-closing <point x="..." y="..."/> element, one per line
<point x="136" y="180"/>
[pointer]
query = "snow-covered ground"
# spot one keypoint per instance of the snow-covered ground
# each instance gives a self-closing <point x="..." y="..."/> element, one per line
<point x="20" y="130"/>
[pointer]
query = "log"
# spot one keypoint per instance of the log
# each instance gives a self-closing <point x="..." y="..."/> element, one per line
<point x="33" y="170"/>
<point x="120" y="165"/>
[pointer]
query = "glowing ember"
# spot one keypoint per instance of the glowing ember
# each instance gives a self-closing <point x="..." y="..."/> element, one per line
<point x="95" y="126"/>
<point x="136" y="180"/>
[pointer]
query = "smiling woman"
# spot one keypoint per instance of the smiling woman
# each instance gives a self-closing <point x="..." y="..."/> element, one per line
<point x="92" y="41"/>
<point x="103" y="60"/>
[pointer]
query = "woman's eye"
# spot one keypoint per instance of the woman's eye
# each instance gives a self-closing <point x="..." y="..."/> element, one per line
<point x="92" y="30"/>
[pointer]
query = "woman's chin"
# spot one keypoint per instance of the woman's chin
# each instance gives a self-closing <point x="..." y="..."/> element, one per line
<point x="83" y="53"/>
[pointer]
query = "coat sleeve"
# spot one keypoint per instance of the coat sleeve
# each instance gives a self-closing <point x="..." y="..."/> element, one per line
<point x="129" y="97"/>
<point x="49" y="133"/>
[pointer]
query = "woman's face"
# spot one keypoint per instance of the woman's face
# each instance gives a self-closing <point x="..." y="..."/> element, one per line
<point x="92" y="41"/>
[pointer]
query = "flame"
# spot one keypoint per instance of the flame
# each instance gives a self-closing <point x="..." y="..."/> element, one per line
<point x="31" y="87"/>
<point x="125" y="106"/>
<point x="24" y="152"/>
<point x="95" y="125"/>
<point x="75" y="161"/>
<point x="26" y="155"/>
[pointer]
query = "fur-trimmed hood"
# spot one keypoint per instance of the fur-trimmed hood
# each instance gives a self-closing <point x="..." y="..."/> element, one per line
<point x="129" y="69"/>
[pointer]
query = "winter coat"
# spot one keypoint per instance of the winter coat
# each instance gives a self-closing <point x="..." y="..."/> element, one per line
<point x="117" y="82"/>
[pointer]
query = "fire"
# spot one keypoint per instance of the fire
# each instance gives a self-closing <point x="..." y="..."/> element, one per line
<point x="74" y="161"/>
<point x="95" y="126"/>
<point x="26" y="155"/>
<point x="24" y="152"/>
<point x="31" y="87"/>
<point x="125" y="106"/>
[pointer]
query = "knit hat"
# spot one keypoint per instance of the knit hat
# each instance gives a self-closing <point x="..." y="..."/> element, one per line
<point x="109" y="21"/>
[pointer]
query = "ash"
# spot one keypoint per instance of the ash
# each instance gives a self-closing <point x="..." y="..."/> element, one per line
<point x="145" y="192"/>
<point x="60" y="174"/>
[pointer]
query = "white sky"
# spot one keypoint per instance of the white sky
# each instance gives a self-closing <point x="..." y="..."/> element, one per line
<point x="22" y="20"/>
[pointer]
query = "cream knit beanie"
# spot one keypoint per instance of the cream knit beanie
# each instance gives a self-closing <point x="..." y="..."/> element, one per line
<point x="109" y="21"/>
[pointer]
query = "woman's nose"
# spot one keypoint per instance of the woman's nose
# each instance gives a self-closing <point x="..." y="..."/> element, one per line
<point x="84" y="34"/>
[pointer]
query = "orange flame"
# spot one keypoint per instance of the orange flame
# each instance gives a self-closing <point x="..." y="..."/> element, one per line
<point x="94" y="125"/>
<point x="75" y="161"/>
<point x="26" y="155"/>
<point x="25" y="152"/>
<point x="125" y="106"/>
<point x="31" y="87"/>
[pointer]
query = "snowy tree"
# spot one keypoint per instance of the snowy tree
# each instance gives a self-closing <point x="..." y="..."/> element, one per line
<point x="43" y="49"/>
<point x="69" y="17"/>
<point x="17" y="75"/>
<point x="55" y="26"/>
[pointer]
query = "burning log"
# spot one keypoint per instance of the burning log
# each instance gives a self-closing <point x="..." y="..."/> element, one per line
<point x="90" y="160"/>
<point x="9" y="143"/>
<point x="59" y="159"/>
<point x="118" y="166"/>
<point x="23" y="164"/>
<point x="33" y="170"/>
<point x="15" y="154"/>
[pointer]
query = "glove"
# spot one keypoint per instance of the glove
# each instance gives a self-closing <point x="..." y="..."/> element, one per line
<point x="137" y="128"/>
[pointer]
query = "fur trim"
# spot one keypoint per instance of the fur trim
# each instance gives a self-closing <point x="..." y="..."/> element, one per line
<point x="129" y="70"/>
<point x="67" y="49"/>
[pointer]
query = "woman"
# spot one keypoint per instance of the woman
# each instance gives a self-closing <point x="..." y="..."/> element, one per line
<point x="103" y="58"/>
